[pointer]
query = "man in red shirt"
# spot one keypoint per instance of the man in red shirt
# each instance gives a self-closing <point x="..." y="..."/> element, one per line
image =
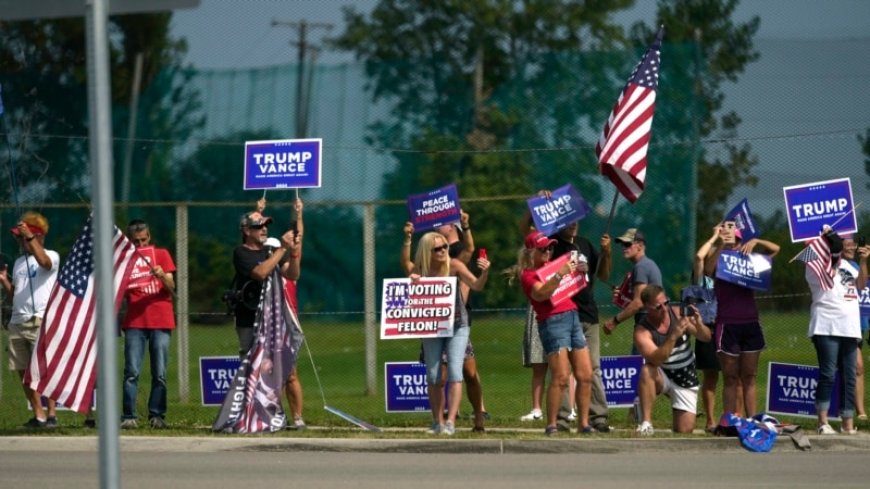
<point x="149" y="320"/>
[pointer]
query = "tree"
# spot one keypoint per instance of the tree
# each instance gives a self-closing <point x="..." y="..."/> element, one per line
<point x="472" y="87"/>
<point x="724" y="48"/>
<point x="45" y="95"/>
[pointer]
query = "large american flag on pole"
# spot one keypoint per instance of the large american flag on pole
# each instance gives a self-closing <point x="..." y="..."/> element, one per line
<point x="622" y="147"/>
<point x="817" y="257"/>
<point x="253" y="403"/>
<point x="63" y="366"/>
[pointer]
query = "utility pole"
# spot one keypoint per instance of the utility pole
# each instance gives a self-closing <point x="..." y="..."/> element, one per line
<point x="302" y="45"/>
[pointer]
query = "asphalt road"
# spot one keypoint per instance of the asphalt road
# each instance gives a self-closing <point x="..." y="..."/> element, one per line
<point x="365" y="470"/>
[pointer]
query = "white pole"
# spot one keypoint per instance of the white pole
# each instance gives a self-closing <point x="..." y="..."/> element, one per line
<point x="371" y="325"/>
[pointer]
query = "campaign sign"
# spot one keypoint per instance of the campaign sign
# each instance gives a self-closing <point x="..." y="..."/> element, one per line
<point x="140" y="272"/>
<point x="753" y="271"/>
<point x="421" y="309"/>
<point x="622" y="295"/>
<point x="215" y="378"/>
<point x="812" y="205"/>
<point x="407" y="389"/>
<point x="791" y="389"/>
<point x="742" y="217"/>
<point x="435" y="208"/>
<point x="285" y="163"/>
<point x="865" y="301"/>
<point x="620" y="376"/>
<point x="569" y="285"/>
<point x="565" y="206"/>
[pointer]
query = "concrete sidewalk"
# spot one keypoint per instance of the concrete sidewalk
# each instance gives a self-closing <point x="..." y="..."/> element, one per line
<point x="490" y="444"/>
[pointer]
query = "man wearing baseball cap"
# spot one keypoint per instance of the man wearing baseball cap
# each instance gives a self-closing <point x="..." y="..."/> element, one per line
<point x="644" y="271"/>
<point x="33" y="276"/>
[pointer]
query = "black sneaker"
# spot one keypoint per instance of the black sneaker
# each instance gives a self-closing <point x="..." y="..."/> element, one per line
<point x="90" y="423"/>
<point x="51" y="422"/>
<point x="601" y="427"/>
<point x="34" y="424"/>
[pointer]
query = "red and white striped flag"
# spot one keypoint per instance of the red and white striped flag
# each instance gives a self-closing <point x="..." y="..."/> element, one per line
<point x="817" y="257"/>
<point x="622" y="147"/>
<point x="64" y="365"/>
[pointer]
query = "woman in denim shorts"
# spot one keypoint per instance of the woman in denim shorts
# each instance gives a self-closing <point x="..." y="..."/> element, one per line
<point x="560" y="330"/>
<point x="432" y="260"/>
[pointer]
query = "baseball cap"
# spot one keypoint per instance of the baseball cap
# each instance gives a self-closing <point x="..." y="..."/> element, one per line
<point x="631" y="235"/>
<point x="537" y="239"/>
<point x="36" y="223"/>
<point x="254" y="219"/>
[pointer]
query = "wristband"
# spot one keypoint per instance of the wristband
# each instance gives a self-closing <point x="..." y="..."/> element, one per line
<point x="616" y="319"/>
<point x="467" y="228"/>
<point x="30" y="238"/>
<point x="294" y="255"/>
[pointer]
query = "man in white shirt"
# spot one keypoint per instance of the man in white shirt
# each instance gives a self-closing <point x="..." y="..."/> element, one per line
<point x="33" y="276"/>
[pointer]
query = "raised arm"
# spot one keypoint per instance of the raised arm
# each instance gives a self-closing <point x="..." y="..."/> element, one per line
<point x="405" y="256"/>
<point x="467" y="252"/>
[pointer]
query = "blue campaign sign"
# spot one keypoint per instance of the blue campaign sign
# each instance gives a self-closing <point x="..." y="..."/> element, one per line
<point x="812" y="205"/>
<point x="436" y="208"/>
<point x="215" y="377"/>
<point x="285" y="163"/>
<point x="791" y="389"/>
<point x="620" y="376"/>
<point x="406" y="387"/>
<point x="865" y="301"/>
<point x="565" y="206"/>
<point x="753" y="270"/>
<point x="742" y="217"/>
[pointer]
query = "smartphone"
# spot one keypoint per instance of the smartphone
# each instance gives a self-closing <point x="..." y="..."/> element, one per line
<point x="294" y="226"/>
<point x="862" y="241"/>
<point x="482" y="254"/>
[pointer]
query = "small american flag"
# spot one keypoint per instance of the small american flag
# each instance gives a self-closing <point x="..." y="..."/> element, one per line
<point x="622" y="147"/>
<point x="63" y="365"/>
<point x="817" y="257"/>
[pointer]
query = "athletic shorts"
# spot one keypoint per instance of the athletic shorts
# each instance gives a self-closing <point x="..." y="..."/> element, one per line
<point x="734" y="339"/>
<point x="682" y="398"/>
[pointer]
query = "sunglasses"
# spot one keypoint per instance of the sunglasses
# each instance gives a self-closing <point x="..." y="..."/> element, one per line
<point x="440" y="248"/>
<point x="257" y="226"/>
<point x="546" y="249"/>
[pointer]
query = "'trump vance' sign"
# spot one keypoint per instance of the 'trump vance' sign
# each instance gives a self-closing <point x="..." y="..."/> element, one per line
<point x="565" y="206"/>
<point x="620" y="376"/>
<point x="406" y="387"/>
<point x="285" y="163"/>
<point x="791" y="389"/>
<point x="215" y="377"/>
<point x="812" y="205"/>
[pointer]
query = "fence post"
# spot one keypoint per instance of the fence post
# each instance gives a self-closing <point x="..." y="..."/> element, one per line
<point x="181" y="307"/>
<point x="371" y="326"/>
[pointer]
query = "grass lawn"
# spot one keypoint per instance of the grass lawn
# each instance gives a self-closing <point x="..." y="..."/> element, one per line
<point x="338" y="352"/>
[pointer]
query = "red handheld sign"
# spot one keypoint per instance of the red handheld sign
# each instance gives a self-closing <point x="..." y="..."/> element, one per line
<point x="482" y="253"/>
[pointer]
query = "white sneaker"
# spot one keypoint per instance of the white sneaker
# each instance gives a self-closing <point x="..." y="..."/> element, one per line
<point x="826" y="429"/>
<point x="645" y="429"/>
<point x="573" y="415"/>
<point x="534" y="415"/>
<point x="449" y="429"/>
<point x="853" y="431"/>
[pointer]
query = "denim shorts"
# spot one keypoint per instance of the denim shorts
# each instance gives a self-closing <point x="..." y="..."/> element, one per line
<point x="562" y="331"/>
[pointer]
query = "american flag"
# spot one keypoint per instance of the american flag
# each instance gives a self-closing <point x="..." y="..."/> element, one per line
<point x="253" y="403"/>
<point x="63" y="365"/>
<point x="622" y="147"/>
<point x="817" y="257"/>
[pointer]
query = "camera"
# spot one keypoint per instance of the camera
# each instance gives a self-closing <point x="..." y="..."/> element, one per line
<point x="231" y="298"/>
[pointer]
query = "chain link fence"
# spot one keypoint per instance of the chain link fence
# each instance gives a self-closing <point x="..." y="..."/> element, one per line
<point x="189" y="189"/>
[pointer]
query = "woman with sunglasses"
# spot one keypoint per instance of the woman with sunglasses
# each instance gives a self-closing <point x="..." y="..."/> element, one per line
<point x="559" y="328"/>
<point x="432" y="260"/>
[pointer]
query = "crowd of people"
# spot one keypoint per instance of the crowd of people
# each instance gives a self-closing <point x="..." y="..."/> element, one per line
<point x="561" y="338"/>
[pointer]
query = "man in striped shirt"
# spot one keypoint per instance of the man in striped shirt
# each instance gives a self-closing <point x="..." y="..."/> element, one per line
<point x="662" y="337"/>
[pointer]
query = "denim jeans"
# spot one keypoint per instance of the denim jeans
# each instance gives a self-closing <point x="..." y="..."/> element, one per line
<point x="836" y="352"/>
<point x="455" y="348"/>
<point x="134" y="352"/>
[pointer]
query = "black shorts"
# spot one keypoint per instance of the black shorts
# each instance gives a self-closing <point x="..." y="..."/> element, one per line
<point x="705" y="355"/>
<point x="734" y="339"/>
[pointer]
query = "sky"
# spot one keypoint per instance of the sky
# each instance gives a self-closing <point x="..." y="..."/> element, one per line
<point x="802" y="104"/>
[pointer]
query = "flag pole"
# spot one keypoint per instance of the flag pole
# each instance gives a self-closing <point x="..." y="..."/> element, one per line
<point x="832" y="227"/>
<point x="612" y="211"/>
